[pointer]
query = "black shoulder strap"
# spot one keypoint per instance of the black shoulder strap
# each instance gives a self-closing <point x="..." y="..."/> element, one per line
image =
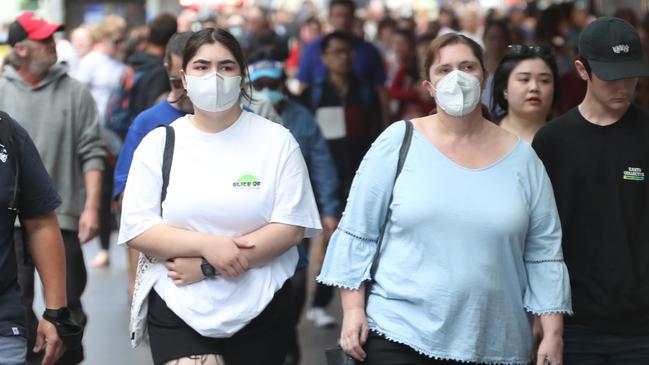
<point x="8" y="139"/>
<point x="167" y="159"/>
<point x="403" y="153"/>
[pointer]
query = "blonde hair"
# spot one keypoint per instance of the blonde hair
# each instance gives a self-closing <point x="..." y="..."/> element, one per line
<point x="112" y="26"/>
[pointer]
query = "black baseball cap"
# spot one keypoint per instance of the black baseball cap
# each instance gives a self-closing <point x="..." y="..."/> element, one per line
<point x="613" y="50"/>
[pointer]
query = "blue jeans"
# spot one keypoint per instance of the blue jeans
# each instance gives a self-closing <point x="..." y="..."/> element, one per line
<point x="586" y="346"/>
<point x="13" y="350"/>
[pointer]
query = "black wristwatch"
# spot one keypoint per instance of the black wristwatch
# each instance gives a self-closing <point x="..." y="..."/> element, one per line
<point x="208" y="270"/>
<point x="69" y="331"/>
<point x="54" y="315"/>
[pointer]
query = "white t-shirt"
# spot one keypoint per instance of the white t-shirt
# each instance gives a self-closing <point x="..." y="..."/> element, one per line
<point x="102" y="75"/>
<point x="228" y="183"/>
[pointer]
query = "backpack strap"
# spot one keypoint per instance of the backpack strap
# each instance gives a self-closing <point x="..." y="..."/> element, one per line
<point x="167" y="159"/>
<point x="8" y="139"/>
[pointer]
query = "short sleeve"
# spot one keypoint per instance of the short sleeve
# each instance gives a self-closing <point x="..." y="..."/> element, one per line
<point x="349" y="255"/>
<point x="294" y="202"/>
<point x="548" y="283"/>
<point x="141" y="203"/>
<point x="38" y="195"/>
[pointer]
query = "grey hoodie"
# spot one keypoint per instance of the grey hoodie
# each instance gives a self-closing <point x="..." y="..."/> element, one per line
<point x="61" y="117"/>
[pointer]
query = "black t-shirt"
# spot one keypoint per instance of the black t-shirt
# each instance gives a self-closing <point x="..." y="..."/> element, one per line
<point x="37" y="196"/>
<point x="602" y="193"/>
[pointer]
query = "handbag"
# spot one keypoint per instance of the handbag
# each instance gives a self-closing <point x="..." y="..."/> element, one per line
<point x="336" y="355"/>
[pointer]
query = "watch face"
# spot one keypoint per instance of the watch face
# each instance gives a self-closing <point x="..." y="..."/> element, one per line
<point x="208" y="270"/>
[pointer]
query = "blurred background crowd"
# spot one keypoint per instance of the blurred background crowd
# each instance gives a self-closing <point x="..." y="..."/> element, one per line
<point x="103" y="40"/>
<point x="400" y="30"/>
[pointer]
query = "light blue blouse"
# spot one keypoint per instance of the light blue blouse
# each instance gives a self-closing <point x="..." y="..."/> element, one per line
<point x="467" y="256"/>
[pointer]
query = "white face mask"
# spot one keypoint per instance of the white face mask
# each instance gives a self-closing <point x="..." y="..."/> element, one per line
<point x="213" y="92"/>
<point x="457" y="93"/>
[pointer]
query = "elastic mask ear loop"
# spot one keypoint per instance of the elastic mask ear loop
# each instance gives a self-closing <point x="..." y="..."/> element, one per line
<point x="180" y="97"/>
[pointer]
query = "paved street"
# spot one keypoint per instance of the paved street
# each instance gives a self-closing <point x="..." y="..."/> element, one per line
<point x="106" y="338"/>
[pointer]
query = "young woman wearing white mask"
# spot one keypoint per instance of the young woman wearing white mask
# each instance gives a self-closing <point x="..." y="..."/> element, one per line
<point x="472" y="250"/>
<point x="213" y="284"/>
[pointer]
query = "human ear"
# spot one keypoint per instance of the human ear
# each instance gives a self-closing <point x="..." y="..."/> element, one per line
<point x="182" y="77"/>
<point x="581" y="70"/>
<point x="429" y="87"/>
<point x="21" y="49"/>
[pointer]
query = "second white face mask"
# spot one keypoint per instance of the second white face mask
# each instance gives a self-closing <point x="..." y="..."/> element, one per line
<point x="457" y="93"/>
<point x="213" y="92"/>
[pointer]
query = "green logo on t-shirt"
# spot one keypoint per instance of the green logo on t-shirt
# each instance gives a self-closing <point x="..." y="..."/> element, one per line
<point x="633" y="173"/>
<point x="247" y="181"/>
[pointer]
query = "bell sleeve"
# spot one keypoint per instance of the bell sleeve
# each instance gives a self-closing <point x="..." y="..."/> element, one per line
<point x="352" y="246"/>
<point x="548" y="283"/>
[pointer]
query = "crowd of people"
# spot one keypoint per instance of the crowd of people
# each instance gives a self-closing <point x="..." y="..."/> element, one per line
<point x="477" y="183"/>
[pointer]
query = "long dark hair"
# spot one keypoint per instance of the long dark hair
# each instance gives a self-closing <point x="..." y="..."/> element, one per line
<point x="227" y="40"/>
<point x="513" y="58"/>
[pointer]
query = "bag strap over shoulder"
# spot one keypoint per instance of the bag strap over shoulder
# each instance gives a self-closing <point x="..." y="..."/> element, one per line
<point x="403" y="153"/>
<point x="167" y="159"/>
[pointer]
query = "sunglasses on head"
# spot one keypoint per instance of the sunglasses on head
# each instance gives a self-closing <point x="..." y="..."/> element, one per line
<point x="524" y="49"/>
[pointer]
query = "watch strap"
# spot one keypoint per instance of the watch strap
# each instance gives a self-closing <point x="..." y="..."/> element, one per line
<point x="69" y="331"/>
<point x="208" y="270"/>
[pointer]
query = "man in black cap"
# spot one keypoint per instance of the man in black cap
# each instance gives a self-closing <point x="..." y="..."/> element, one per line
<point x="60" y="115"/>
<point x="596" y="156"/>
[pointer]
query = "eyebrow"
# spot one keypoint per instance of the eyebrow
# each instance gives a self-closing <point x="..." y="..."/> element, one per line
<point x="527" y="73"/>
<point x="226" y="62"/>
<point x="461" y="63"/>
<point x="201" y="61"/>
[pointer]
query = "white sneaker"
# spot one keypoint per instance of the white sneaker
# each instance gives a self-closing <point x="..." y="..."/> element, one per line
<point x="320" y="317"/>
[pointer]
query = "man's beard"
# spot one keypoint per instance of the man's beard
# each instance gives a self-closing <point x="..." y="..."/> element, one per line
<point x="40" y="66"/>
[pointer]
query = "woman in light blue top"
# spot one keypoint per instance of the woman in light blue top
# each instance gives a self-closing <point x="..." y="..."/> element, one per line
<point x="472" y="252"/>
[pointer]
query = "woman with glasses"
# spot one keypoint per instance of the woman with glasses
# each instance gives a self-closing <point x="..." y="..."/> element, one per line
<point x="471" y="253"/>
<point x="526" y="84"/>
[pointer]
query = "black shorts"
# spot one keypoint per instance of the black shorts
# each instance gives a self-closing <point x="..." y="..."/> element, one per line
<point x="262" y="341"/>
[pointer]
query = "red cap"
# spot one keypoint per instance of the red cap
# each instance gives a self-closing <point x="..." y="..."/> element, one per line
<point x="29" y="27"/>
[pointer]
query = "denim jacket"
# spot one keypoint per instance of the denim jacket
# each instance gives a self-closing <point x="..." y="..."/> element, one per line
<point x="322" y="170"/>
